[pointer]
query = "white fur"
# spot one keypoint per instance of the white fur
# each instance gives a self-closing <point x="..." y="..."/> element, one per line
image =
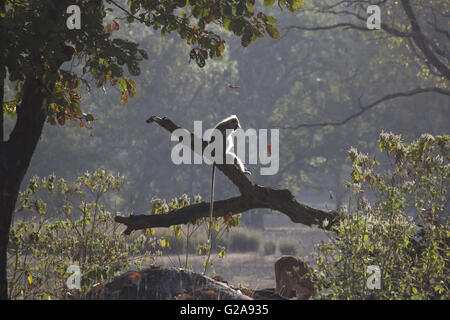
<point x="231" y="122"/>
<point x="233" y="158"/>
<point x="227" y="123"/>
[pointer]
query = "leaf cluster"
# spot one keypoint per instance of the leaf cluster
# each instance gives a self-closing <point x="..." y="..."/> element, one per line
<point x="405" y="231"/>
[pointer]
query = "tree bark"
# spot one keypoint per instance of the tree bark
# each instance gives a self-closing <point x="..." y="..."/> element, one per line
<point x="15" y="157"/>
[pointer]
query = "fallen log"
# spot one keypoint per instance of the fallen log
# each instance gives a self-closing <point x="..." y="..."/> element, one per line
<point x="164" y="284"/>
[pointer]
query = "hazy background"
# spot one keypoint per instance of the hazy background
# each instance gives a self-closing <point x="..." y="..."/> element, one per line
<point x="303" y="77"/>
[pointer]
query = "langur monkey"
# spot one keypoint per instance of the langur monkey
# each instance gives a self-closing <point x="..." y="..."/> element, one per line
<point x="232" y="122"/>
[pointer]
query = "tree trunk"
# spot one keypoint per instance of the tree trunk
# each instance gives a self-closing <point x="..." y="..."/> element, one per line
<point x="7" y="207"/>
<point x="15" y="157"/>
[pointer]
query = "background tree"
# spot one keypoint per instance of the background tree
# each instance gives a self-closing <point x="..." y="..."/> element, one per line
<point x="418" y="28"/>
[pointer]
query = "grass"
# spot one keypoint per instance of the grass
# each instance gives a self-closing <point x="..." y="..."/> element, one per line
<point x="288" y="247"/>
<point x="270" y="247"/>
<point x="244" y="240"/>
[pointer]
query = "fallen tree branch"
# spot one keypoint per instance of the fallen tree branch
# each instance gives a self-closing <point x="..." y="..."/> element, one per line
<point x="252" y="196"/>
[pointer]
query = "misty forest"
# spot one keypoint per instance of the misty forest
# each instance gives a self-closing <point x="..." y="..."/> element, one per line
<point x="354" y="96"/>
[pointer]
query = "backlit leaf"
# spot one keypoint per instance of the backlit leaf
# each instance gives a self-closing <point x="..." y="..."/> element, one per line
<point x="273" y="31"/>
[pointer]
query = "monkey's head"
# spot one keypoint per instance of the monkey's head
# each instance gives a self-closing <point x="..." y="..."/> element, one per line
<point x="235" y="123"/>
<point x="232" y="122"/>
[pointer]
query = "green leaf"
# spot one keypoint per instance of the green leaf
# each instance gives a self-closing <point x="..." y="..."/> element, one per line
<point x="297" y="4"/>
<point x="293" y="5"/>
<point x="246" y="39"/>
<point x="226" y="23"/>
<point x="269" y="3"/>
<point x="439" y="289"/>
<point x="123" y="85"/>
<point x="221" y="47"/>
<point x="271" y="20"/>
<point x="75" y="108"/>
<point x="250" y="7"/>
<point x="131" y="86"/>
<point x="273" y="31"/>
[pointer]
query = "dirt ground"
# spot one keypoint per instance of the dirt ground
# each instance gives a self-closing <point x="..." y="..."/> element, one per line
<point x="251" y="270"/>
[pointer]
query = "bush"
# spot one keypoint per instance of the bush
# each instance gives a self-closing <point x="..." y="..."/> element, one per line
<point x="244" y="241"/>
<point x="269" y="247"/>
<point x="77" y="233"/>
<point x="185" y="239"/>
<point x="82" y="234"/>
<point x="411" y="254"/>
<point x="177" y="245"/>
<point x="288" y="248"/>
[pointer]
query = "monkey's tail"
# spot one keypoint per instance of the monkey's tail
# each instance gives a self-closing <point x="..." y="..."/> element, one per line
<point x="211" y="200"/>
<point x="211" y="209"/>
